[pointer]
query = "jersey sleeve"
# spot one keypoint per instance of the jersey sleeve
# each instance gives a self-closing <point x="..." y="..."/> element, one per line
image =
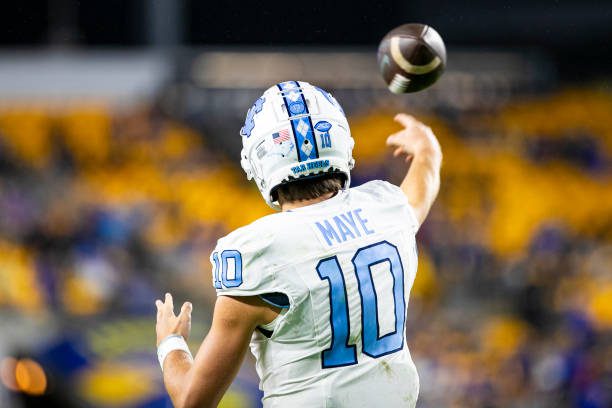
<point x="239" y="263"/>
<point x="385" y="192"/>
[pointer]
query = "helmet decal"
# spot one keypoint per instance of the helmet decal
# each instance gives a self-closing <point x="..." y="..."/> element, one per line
<point x="283" y="143"/>
<point x="323" y="127"/>
<point x="249" y="122"/>
<point x="302" y="125"/>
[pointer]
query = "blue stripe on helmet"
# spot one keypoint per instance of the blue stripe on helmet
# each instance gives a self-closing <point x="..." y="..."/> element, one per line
<point x="303" y="132"/>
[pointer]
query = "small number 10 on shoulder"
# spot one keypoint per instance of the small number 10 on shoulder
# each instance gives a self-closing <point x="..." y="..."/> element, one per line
<point x="227" y="270"/>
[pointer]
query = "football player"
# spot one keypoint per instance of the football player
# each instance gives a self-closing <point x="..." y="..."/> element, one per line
<point x="320" y="289"/>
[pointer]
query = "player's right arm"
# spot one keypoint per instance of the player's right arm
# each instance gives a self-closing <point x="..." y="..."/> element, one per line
<point x="424" y="157"/>
<point x="203" y="381"/>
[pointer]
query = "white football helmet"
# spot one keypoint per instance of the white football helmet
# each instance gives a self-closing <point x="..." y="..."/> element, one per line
<point x="293" y="131"/>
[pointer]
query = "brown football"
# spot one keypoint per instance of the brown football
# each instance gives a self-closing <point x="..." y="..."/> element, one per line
<point x="411" y="57"/>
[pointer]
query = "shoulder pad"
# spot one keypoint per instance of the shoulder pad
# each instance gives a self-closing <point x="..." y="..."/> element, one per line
<point x="239" y="262"/>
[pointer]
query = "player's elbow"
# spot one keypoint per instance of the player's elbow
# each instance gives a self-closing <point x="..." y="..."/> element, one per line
<point x="193" y="398"/>
<point x="183" y="402"/>
<point x="193" y="403"/>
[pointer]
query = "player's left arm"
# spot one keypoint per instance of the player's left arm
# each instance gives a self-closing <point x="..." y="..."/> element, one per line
<point x="203" y="382"/>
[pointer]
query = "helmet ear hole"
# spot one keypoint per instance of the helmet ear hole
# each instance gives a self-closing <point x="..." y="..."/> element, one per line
<point x="246" y="165"/>
<point x="351" y="163"/>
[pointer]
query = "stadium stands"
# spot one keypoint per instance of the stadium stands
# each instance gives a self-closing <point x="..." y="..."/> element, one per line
<point x="101" y="209"/>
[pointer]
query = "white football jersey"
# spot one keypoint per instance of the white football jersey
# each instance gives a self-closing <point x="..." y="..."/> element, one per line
<point x="346" y="265"/>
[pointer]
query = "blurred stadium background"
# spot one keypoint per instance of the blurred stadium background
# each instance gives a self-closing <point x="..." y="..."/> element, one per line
<point x="119" y="170"/>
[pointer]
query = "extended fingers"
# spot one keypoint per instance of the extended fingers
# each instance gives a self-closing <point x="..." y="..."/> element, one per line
<point x="395" y="139"/>
<point x="186" y="309"/>
<point x="405" y="120"/>
<point x="169" y="303"/>
<point x="185" y="318"/>
<point x="168" y="307"/>
<point x="409" y="122"/>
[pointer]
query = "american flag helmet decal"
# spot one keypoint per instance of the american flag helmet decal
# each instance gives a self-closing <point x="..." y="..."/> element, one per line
<point x="281" y="136"/>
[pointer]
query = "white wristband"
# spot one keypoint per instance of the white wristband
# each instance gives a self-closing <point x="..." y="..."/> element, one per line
<point x="168" y="345"/>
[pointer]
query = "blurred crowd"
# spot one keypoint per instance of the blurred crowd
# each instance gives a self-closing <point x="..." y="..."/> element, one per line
<point x="101" y="210"/>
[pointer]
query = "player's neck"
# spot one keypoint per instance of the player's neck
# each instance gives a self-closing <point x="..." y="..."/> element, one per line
<point x="291" y="205"/>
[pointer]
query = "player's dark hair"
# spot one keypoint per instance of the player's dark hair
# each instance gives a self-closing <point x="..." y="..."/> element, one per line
<point x="309" y="188"/>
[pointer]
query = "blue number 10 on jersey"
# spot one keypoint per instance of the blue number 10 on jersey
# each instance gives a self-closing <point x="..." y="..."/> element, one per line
<point x="340" y="353"/>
